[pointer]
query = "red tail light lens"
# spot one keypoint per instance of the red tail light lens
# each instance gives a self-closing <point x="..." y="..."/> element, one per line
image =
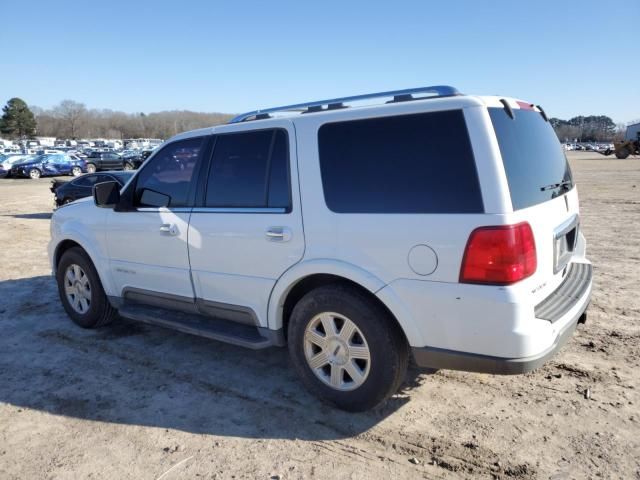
<point x="499" y="255"/>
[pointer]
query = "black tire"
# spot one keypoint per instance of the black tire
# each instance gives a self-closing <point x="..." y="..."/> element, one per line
<point x="91" y="168"/>
<point x="100" y="311"/>
<point x="622" y="153"/>
<point x="389" y="352"/>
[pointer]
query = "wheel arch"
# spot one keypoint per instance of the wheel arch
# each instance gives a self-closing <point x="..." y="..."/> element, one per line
<point x="70" y="242"/>
<point x="297" y="282"/>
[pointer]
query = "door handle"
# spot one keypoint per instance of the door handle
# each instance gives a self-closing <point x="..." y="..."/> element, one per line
<point x="278" y="234"/>
<point x="169" y="228"/>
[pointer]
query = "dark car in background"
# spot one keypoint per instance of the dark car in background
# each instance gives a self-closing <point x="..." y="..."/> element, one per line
<point x="97" y="161"/>
<point x="133" y="159"/>
<point x="49" y="165"/>
<point x="67" y="192"/>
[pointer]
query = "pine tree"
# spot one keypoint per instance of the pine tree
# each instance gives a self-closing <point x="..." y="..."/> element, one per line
<point x="17" y="120"/>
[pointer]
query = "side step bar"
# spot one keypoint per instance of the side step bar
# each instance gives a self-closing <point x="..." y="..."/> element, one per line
<point x="209" y="327"/>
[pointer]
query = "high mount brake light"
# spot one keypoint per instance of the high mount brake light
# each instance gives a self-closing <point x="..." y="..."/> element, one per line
<point x="499" y="255"/>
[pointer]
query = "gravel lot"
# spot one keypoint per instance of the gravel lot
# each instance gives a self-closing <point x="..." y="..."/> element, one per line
<point x="134" y="401"/>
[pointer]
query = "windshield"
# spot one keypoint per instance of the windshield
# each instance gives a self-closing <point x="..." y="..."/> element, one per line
<point x="534" y="162"/>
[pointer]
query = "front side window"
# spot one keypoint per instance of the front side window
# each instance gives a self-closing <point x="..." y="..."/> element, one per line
<point x="250" y="170"/>
<point x="166" y="180"/>
<point x="419" y="163"/>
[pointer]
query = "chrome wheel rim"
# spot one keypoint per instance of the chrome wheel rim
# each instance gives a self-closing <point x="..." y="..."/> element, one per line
<point x="34" y="173"/>
<point x="336" y="351"/>
<point x="77" y="288"/>
<point x="76" y="171"/>
<point x="128" y="166"/>
<point x="91" y="168"/>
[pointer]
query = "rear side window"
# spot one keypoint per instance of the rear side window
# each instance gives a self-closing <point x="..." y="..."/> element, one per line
<point x="536" y="167"/>
<point x="420" y="163"/>
<point x="250" y="170"/>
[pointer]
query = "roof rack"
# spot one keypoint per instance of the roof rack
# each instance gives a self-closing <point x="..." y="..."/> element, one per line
<point x="398" y="96"/>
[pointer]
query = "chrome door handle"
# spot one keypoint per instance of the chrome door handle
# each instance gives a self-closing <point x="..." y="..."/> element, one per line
<point x="169" y="228"/>
<point x="278" y="234"/>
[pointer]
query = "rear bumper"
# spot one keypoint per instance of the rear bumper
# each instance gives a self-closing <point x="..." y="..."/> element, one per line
<point x="428" y="357"/>
<point x="564" y="308"/>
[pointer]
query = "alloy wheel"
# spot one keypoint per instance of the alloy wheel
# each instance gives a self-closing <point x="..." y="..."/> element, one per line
<point x="337" y="351"/>
<point x="77" y="288"/>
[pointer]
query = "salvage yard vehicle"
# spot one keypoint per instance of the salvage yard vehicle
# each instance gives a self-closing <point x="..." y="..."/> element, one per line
<point x="49" y="165"/>
<point x="81" y="187"/>
<point x="359" y="231"/>
<point x="103" y="161"/>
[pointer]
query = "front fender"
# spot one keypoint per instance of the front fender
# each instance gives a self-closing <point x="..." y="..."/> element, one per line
<point x="85" y="226"/>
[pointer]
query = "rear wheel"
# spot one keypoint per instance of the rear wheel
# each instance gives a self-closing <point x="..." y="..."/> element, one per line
<point x="91" y="168"/>
<point x="81" y="292"/>
<point x="346" y="348"/>
<point x="127" y="166"/>
<point x="622" y="153"/>
<point x="76" y="171"/>
<point x="34" y="173"/>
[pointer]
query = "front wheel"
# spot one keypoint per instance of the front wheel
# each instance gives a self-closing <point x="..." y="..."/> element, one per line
<point x="127" y="166"/>
<point x="34" y="173"/>
<point x="346" y="348"/>
<point x="622" y="153"/>
<point x="76" y="171"/>
<point x="81" y="292"/>
<point x="91" y="168"/>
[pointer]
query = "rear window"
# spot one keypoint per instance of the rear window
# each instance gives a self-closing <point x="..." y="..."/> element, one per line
<point x="533" y="158"/>
<point x="419" y="163"/>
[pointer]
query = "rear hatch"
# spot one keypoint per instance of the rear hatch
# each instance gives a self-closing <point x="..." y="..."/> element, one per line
<point x="542" y="190"/>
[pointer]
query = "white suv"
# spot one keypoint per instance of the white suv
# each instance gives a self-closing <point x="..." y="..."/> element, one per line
<point x="431" y="225"/>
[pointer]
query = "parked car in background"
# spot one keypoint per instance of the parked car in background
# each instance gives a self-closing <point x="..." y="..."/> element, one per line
<point x="8" y="160"/>
<point x="66" y="192"/>
<point x="48" y="165"/>
<point x="132" y="159"/>
<point x="103" y="161"/>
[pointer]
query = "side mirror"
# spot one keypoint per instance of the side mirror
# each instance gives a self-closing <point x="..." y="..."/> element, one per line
<point x="106" y="194"/>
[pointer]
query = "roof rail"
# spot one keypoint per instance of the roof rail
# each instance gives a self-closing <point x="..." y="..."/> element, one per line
<point x="398" y="95"/>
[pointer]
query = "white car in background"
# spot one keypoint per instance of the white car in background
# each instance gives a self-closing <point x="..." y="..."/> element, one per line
<point x="430" y="224"/>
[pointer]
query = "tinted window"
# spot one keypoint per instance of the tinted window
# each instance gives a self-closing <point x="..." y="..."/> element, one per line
<point x="404" y="164"/>
<point x="250" y="170"/>
<point x="169" y="174"/>
<point x="532" y="156"/>
<point x="88" y="180"/>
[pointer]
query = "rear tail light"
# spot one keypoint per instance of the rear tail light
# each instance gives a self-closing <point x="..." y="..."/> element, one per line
<point x="499" y="255"/>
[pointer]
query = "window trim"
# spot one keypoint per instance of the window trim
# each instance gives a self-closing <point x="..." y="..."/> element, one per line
<point x="201" y="198"/>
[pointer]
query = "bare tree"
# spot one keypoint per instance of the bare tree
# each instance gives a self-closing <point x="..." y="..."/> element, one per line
<point x="71" y="113"/>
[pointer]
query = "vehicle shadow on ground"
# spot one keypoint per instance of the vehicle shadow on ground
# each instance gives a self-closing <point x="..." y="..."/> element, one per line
<point x="134" y="374"/>
<point x="32" y="216"/>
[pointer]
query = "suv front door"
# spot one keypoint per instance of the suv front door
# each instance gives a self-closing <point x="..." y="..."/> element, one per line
<point x="246" y="228"/>
<point x="147" y="243"/>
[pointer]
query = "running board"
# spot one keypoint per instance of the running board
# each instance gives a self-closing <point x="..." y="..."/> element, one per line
<point x="203" y="326"/>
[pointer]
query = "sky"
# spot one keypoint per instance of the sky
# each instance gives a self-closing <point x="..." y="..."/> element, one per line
<point x="572" y="57"/>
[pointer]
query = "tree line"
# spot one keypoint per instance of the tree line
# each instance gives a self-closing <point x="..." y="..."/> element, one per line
<point x="594" y="128"/>
<point x="72" y="120"/>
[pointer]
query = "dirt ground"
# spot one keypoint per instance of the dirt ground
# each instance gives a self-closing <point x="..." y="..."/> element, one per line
<point x="141" y="402"/>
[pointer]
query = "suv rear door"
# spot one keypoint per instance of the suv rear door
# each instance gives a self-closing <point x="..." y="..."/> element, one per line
<point x="246" y="229"/>
<point x="541" y="189"/>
